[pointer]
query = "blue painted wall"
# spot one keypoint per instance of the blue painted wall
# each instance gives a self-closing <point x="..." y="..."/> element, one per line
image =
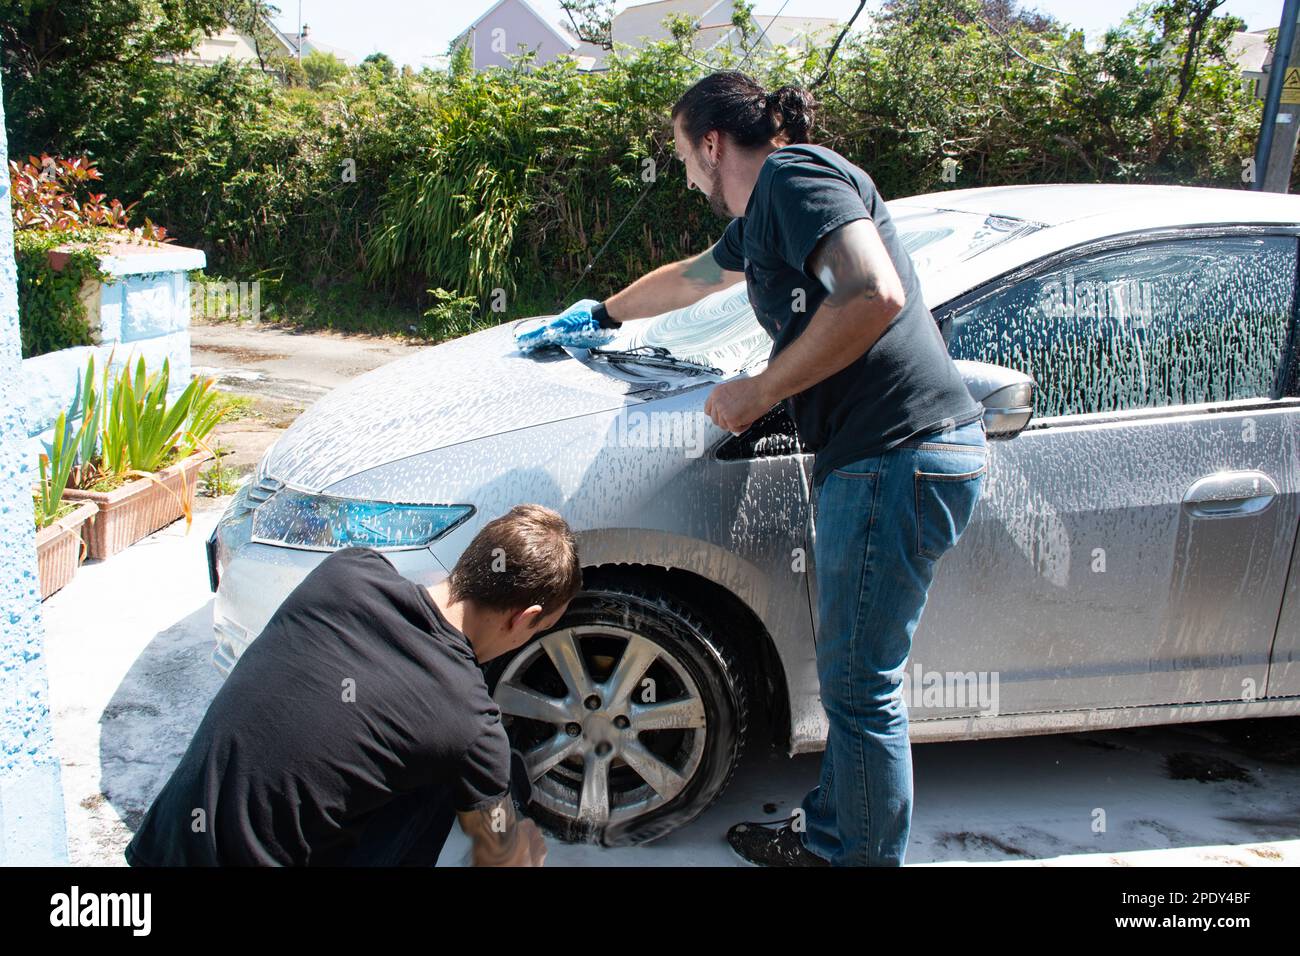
<point x="139" y="314"/>
<point x="31" y="791"/>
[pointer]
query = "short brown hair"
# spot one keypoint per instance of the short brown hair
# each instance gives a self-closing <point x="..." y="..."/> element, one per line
<point x="527" y="556"/>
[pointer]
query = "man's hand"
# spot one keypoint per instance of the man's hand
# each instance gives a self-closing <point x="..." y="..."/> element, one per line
<point x="574" y="327"/>
<point x="737" y="404"/>
<point x="500" y="838"/>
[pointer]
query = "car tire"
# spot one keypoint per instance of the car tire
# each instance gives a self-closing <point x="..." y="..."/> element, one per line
<point x="692" y="659"/>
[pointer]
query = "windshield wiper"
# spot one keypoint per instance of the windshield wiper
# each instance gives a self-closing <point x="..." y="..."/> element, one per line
<point x="652" y="356"/>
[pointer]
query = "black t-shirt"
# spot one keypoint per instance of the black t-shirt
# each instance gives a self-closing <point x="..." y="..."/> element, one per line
<point x="357" y="691"/>
<point x="905" y="384"/>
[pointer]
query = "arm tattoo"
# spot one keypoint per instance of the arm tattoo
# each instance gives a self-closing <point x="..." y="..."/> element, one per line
<point x="494" y="831"/>
<point x="842" y="263"/>
<point x="704" y="270"/>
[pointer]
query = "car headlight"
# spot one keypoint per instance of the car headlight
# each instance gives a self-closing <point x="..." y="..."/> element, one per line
<point x="325" y="523"/>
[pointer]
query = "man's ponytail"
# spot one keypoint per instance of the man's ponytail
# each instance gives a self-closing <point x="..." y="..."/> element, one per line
<point x="733" y="103"/>
<point x="792" y="111"/>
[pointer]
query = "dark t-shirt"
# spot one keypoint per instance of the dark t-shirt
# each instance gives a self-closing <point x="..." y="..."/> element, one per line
<point x="357" y="691"/>
<point x="905" y="384"/>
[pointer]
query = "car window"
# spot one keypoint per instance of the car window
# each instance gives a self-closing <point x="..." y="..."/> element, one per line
<point x="1168" y="323"/>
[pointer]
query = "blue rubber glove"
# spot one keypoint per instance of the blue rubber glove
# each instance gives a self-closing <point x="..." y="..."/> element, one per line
<point x="574" y="327"/>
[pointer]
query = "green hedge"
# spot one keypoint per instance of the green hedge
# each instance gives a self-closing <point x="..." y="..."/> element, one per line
<point x="512" y="179"/>
<point x="52" y="314"/>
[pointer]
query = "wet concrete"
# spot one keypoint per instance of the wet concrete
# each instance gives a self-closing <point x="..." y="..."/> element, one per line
<point x="130" y="680"/>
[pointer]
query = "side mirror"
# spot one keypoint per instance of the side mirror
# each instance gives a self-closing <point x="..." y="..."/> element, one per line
<point x="1007" y="396"/>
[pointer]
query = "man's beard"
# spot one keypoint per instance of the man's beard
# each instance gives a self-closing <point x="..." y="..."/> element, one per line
<point x="716" y="202"/>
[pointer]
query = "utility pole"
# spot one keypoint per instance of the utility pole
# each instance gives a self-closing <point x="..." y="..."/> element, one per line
<point x="1281" y="121"/>
<point x="299" y="31"/>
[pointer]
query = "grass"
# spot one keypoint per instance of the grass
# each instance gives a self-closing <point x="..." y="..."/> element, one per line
<point x="219" y="480"/>
<point x="235" y="407"/>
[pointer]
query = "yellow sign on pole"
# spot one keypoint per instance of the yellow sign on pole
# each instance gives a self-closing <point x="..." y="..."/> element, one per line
<point x="1291" y="85"/>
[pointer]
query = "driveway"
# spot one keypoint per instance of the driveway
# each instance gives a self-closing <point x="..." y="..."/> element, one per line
<point x="130" y="677"/>
<point x="129" y="644"/>
<point x="283" y="370"/>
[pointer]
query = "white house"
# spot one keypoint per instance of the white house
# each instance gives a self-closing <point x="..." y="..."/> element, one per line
<point x="510" y="27"/>
<point x="645" y="23"/>
<point x="1253" y="56"/>
<point x="237" y="45"/>
<point x="309" y="45"/>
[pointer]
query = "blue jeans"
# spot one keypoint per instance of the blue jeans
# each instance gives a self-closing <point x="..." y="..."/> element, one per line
<point x="881" y="524"/>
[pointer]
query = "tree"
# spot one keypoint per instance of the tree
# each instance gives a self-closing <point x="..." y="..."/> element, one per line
<point x="253" y="19"/>
<point x="322" y="68"/>
<point x="591" y="20"/>
<point x="65" y="59"/>
<point x="1004" y="15"/>
<point x="380" y="64"/>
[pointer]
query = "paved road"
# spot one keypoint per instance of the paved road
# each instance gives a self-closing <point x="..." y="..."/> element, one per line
<point x="130" y="679"/>
<point x="285" y="364"/>
<point x="284" y="371"/>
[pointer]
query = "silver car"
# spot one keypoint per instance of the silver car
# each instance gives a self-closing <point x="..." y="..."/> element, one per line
<point x="1132" y="560"/>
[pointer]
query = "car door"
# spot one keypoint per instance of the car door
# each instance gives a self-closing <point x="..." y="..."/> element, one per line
<point x="1132" y="545"/>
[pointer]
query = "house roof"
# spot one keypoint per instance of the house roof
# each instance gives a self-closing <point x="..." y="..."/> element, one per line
<point x="1251" y="51"/>
<point x="560" y="33"/>
<point x="309" y="45"/>
<point x="643" y="23"/>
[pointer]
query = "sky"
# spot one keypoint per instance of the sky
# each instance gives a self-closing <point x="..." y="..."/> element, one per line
<point x="410" y="31"/>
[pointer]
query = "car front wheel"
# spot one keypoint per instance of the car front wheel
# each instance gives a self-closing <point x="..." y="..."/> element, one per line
<point x="630" y="715"/>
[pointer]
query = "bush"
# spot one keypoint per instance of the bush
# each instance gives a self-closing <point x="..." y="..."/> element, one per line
<point x="511" y="181"/>
<point x="53" y="207"/>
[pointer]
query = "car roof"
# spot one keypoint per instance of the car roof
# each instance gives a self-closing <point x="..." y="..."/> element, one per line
<point x="1057" y="204"/>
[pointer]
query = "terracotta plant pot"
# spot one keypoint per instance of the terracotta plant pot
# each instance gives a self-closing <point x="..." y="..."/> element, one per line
<point x="58" y="549"/>
<point x="138" y="508"/>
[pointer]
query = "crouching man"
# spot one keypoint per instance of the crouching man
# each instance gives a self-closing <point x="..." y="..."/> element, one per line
<point x="358" y="724"/>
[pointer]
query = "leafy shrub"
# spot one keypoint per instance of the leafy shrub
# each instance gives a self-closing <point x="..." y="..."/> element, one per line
<point x="46" y="196"/>
<point x="515" y="179"/>
<point x="53" y="206"/>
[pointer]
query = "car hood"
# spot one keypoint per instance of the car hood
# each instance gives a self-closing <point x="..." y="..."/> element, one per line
<point x="469" y="388"/>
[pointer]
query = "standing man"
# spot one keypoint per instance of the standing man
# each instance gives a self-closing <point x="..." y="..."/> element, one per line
<point x="863" y="370"/>
<point x="358" y="725"/>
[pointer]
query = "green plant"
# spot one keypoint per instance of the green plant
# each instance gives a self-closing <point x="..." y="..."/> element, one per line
<point x="220" y="480"/>
<point x="451" y="315"/>
<point x="50" y="194"/>
<point x="207" y="410"/>
<point x="55" y="469"/>
<point x="323" y="68"/>
<point x="53" y="207"/>
<point x="89" y="407"/>
<point x="141" y="427"/>
<point x="52" y="314"/>
<point x="235" y="407"/>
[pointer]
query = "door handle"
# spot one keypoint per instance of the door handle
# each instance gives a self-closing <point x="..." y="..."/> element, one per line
<point x="1230" y="494"/>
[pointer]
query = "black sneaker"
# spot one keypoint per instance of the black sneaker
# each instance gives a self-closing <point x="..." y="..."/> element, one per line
<point x="772" y="844"/>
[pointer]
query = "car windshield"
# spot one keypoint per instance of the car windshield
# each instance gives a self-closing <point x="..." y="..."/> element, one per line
<point x="721" y="330"/>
